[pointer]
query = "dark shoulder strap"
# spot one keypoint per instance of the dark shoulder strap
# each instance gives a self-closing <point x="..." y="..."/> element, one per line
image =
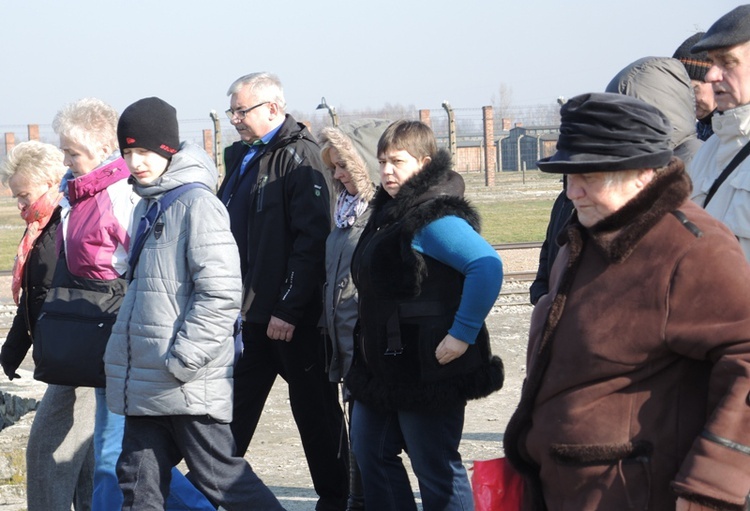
<point x="169" y="197"/>
<point x="146" y="225"/>
<point x="725" y="173"/>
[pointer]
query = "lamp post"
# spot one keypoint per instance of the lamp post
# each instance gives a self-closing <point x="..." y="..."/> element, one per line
<point x="331" y="111"/>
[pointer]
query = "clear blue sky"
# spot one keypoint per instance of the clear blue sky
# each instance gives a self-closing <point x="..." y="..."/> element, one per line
<point x="357" y="54"/>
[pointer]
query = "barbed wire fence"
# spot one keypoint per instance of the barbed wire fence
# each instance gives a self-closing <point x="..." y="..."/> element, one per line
<point x="535" y="125"/>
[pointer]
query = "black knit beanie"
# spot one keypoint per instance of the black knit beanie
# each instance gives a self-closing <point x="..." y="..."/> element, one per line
<point x="149" y="123"/>
<point x="696" y="64"/>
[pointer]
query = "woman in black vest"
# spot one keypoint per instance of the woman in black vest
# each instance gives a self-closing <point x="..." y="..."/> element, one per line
<point x="426" y="281"/>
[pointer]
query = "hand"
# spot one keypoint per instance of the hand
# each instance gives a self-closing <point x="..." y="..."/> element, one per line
<point x="450" y="349"/>
<point x="10" y="372"/>
<point x="279" y="329"/>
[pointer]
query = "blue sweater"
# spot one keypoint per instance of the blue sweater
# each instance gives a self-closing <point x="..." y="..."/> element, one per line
<point x="452" y="241"/>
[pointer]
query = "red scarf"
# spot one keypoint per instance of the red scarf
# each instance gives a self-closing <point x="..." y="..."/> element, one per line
<point x="37" y="217"/>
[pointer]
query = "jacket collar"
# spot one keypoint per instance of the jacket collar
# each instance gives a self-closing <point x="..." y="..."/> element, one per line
<point x="618" y="234"/>
<point x="97" y="180"/>
<point x="732" y="123"/>
<point x="289" y="131"/>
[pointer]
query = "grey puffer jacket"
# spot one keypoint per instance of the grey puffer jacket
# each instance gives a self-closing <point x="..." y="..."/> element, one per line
<point x="663" y="82"/>
<point x="357" y="145"/>
<point x="171" y="350"/>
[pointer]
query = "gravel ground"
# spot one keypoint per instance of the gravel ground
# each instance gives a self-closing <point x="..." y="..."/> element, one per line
<point x="276" y="453"/>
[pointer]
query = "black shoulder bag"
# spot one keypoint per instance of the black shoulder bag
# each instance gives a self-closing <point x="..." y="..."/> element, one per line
<point x="73" y="328"/>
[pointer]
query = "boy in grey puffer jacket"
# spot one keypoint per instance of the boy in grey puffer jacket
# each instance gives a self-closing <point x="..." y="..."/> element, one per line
<point x="169" y="360"/>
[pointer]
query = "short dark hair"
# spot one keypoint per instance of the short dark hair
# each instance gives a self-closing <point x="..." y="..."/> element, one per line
<point x="414" y="137"/>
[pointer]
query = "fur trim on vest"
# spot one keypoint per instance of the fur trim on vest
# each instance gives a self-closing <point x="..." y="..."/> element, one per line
<point x="400" y="277"/>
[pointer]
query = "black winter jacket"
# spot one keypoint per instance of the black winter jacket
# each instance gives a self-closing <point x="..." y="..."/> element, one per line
<point x="37" y="278"/>
<point x="288" y="221"/>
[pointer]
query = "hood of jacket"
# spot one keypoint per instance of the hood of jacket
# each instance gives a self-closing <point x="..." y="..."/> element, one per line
<point x="663" y="82"/>
<point x="357" y="143"/>
<point x="190" y="164"/>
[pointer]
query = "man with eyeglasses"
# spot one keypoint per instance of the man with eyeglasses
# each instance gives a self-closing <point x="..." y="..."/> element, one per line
<point x="279" y="206"/>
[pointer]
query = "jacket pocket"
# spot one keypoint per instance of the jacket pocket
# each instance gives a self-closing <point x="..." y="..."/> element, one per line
<point x="611" y="473"/>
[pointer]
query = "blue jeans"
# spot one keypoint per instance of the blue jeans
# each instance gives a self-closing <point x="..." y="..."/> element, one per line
<point x="431" y="440"/>
<point x="108" y="432"/>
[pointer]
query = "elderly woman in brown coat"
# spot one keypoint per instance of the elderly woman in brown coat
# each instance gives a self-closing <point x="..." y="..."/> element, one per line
<point x="636" y="394"/>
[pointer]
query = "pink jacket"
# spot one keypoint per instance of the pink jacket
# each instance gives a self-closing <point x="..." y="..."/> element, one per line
<point x="96" y="219"/>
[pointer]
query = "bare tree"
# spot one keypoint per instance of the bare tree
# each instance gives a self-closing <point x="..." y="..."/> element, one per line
<point x="540" y="115"/>
<point x="502" y="101"/>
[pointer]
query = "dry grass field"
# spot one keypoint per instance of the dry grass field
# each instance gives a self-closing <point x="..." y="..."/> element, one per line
<point x="515" y="209"/>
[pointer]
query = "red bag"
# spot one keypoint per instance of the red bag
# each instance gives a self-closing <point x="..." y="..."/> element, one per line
<point x="496" y="486"/>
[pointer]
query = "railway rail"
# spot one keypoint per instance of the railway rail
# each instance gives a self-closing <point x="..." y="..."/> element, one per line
<point x="515" y="292"/>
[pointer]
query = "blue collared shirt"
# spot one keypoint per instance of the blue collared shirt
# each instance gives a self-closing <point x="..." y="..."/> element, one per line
<point x="255" y="147"/>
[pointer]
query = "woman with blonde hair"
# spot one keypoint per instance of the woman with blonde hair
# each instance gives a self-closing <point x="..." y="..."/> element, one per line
<point x="59" y="457"/>
<point x="349" y="153"/>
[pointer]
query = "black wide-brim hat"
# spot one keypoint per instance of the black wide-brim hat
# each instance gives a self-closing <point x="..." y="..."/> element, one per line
<point x="606" y="132"/>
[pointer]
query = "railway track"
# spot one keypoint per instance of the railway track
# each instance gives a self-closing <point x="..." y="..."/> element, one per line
<point x="516" y="284"/>
<point x="515" y="289"/>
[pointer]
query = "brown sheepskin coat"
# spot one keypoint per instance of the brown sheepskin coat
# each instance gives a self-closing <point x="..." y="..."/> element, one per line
<point x="639" y="363"/>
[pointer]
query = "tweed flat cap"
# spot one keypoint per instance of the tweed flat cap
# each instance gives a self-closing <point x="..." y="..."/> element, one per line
<point x="607" y="132"/>
<point x="731" y="29"/>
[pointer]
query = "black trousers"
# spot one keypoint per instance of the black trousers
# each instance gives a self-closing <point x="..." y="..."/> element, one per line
<point x="151" y="446"/>
<point x="314" y="402"/>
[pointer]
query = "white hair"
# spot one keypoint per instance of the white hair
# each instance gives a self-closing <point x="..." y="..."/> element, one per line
<point x="264" y="86"/>
<point x="90" y="122"/>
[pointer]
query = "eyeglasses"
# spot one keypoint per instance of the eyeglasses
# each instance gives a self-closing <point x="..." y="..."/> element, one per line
<point x="240" y="114"/>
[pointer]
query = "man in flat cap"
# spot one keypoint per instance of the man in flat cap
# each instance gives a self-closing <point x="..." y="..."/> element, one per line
<point x="696" y="65"/>
<point x="721" y="169"/>
<point x="639" y="359"/>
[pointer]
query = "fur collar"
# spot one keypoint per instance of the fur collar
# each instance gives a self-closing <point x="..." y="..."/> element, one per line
<point x="668" y="190"/>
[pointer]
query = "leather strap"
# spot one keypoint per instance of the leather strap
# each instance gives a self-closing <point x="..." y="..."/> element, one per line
<point x="725" y="173"/>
